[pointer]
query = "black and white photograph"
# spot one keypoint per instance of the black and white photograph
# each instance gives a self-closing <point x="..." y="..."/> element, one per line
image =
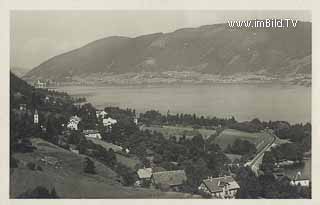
<point x="160" y="104"/>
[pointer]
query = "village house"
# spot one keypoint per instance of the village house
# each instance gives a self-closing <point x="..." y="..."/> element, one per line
<point x="92" y="134"/>
<point x="300" y="180"/>
<point x="169" y="179"/>
<point x="220" y="187"/>
<point x="39" y="84"/>
<point x="73" y="123"/>
<point x="101" y="114"/>
<point x="108" y="122"/>
<point x="144" y="176"/>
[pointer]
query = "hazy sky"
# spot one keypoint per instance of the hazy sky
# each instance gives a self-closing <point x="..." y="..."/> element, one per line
<point x="36" y="36"/>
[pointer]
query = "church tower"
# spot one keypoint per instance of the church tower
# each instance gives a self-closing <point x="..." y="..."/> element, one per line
<point x="35" y="117"/>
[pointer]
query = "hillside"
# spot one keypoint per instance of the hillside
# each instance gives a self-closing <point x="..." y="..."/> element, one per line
<point x="69" y="180"/>
<point x="19" y="71"/>
<point x="212" y="49"/>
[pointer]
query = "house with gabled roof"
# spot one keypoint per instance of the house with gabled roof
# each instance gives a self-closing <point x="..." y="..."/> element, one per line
<point x="144" y="176"/>
<point x="172" y="179"/>
<point x="221" y="187"/>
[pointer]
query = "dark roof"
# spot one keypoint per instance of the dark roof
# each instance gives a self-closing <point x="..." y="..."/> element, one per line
<point x="217" y="184"/>
<point x="171" y="178"/>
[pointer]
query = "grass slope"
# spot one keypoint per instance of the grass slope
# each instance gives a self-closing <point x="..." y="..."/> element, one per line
<point x="70" y="181"/>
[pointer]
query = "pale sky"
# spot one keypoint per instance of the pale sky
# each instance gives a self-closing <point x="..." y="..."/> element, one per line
<point x="36" y="36"/>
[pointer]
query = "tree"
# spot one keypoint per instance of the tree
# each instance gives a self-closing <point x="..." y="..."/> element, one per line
<point x="39" y="192"/>
<point x="89" y="166"/>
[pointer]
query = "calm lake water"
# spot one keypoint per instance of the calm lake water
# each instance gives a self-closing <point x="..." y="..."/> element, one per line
<point x="305" y="170"/>
<point x="243" y="101"/>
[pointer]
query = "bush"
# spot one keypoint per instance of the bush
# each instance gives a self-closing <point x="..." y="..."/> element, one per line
<point x="126" y="173"/>
<point x="39" y="168"/>
<point x="39" y="192"/>
<point x="31" y="166"/>
<point x="89" y="166"/>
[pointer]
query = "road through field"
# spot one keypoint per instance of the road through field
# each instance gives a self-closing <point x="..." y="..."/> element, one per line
<point x="254" y="164"/>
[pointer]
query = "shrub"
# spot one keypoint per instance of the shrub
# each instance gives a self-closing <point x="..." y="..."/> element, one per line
<point x="39" y="168"/>
<point x="39" y="192"/>
<point x="89" y="166"/>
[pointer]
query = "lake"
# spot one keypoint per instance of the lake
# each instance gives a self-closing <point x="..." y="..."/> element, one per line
<point x="243" y="101"/>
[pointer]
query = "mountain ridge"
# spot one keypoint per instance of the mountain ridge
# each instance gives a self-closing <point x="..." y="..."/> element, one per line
<point x="208" y="49"/>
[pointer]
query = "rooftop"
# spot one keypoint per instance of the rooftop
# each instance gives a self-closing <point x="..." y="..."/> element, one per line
<point x="217" y="184"/>
<point x="172" y="178"/>
<point x="144" y="173"/>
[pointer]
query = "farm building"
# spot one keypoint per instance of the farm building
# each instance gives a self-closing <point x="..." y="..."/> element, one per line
<point x="300" y="180"/>
<point x="144" y="175"/>
<point x="169" y="179"/>
<point x="92" y="134"/>
<point x="220" y="187"/>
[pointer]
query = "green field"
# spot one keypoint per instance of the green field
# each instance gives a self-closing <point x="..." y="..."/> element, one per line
<point x="70" y="181"/>
<point x="179" y="131"/>
<point x="228" y="136"/>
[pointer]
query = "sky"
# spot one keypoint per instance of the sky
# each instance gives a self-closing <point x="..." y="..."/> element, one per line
<point x="36" y="36"/>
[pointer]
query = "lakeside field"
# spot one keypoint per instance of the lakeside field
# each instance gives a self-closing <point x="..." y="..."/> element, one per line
<point x="179" y="131"/>
<point x="228" y="136"/>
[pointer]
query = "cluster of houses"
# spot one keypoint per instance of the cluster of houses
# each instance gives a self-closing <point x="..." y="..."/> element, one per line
<point x="40" y="84"/>
<point x="219" y="187"/>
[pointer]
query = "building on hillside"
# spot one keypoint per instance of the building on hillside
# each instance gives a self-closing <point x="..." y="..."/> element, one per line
<point x="35" y="117"/>
<point x="171" y="180"/>
<point x="300" y="180"/>
<point x="101" y="114"/>
<point x="144" y="176"/>
<point x="221" y="187"/>
<point x="108" y="122"/>
<point x="73" y="123"/>
<point x="40" y="84"/>
<point x="92" y="134"/>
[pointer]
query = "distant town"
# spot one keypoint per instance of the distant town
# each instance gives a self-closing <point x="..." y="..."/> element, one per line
<point x="172" y="77"/>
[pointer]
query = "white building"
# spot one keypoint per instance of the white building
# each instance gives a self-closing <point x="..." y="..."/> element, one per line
<point x="101" y="114"/>
<point x="108" y="122"/>
<point x="40" y="84"/>
<point x="135" y="120"/>
<point x="92" y="134"/>
<point x="220" y="187"/>
<point x="73" y="123"/>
